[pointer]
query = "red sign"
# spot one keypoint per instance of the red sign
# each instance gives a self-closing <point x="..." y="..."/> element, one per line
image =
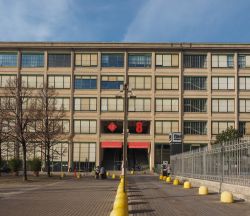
<point x="138" y="145"/>
<point x="112" y="127"/>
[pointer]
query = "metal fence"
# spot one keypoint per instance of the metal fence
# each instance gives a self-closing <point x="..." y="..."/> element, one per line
<point x="227" y="162"/>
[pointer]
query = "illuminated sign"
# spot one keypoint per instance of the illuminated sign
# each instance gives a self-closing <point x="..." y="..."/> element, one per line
<point x="116" y="127"/>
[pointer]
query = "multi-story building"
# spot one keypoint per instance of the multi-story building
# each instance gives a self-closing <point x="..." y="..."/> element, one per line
<point x="197" y="89"/>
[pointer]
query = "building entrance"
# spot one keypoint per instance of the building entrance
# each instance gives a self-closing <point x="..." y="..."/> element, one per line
<point x="138" y="159"/>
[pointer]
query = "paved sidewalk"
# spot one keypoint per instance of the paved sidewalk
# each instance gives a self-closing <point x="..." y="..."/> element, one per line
<point x="149" y="196"/>
<point x="71" y="197"/>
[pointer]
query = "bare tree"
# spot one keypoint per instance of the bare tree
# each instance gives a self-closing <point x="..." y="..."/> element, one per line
<point x="20" y="112"/>
<point x="51" y="128"/>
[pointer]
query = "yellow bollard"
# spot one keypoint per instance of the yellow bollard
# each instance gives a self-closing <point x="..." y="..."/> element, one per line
<point x="187" y="185"/>
<point x="113" y="176"/>
<point x="176" y="182"/>
<point x="168" y="179"/>
<point x="132" y="172"/>
<point x="226" y="197"/>
<point x="78" y="175"/>
<point x="107" y="174"/>
<point x="164" y="178"/>
<point x="121" y="203"/>
<point x="62" y="175"/>
<point x="160" y="177"/>
<point x="203" y="190"/>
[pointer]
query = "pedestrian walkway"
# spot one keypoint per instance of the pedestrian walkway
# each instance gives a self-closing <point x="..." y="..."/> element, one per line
<point x="149" y="196"/>
<point x="71" y="197"/>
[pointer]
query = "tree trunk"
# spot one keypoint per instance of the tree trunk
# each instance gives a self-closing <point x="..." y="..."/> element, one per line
<point x="48" y="160"/>
<point x="24" y="164"/>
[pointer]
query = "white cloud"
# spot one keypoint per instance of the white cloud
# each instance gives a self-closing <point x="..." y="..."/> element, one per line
<point x="182" y="20"/>
<point x="32" y="20"/>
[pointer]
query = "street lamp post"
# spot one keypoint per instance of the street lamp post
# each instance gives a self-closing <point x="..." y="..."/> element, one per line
<point x="125" y="133"/>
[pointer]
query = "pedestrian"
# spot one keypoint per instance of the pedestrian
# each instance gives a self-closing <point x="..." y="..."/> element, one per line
<point x="102" y="172"/>
<point x="97" y="172"/>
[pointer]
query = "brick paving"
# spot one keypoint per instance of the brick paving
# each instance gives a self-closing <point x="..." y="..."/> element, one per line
<point x="149" y="196"/>
<point x="86" y="196"/>
<point x="90" y="197"/>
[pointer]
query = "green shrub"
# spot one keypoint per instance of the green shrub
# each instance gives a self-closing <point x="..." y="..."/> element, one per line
<point x="15" y="164"/>
<point x="35" y="164"/>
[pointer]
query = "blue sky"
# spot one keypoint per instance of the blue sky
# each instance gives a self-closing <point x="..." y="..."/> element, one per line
<point x="125" y="20"/>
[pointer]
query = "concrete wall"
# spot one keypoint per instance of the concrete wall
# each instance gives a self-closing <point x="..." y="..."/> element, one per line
<point x="240" y="192"/>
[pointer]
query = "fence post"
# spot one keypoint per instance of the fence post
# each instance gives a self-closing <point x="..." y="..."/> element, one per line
<point x="221" y="165"/>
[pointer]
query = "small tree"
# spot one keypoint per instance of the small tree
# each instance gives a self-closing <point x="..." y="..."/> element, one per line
<point x="19" y="112"/>
<point x="230" y="134"/>
<point x="35" y="165"/>
<point x="50" y="129"/>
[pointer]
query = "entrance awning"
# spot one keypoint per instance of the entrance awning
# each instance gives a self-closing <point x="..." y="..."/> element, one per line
<point x="109" y="144"/>
<point x="139" y="145"/>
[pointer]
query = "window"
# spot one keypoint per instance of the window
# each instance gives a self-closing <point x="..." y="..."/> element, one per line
<point x="85" y="126"/>
<point x="32" y="60"/>
<point x="7" y="103"/>
<point x="244" y="127"/>
<point x="195" y="61"/>
<point x="60" y="103"/>
<point x="85" y="104"/>
<point x="111" y="82"/>
<point x="60" y="153"/>
<point x="223" y="83"/>
<point x="32" y="81"/>
<point x="195" y="83"/>
<point x="166" y="127"/>
<point x="28" y="102"/>
<point x="222" y="105"/>
<point x="167" y="83"/>
<point x="139" y="105"/>
<point x="86" y="59"/>
<point x="222" y="61"/>
<point x="139" y="60"/>
<point x="166" y="105"/>
<point x="59" y="60"/>
<point x="85" y="82"/>
<point x="113" y="60"/>
<point x="8" y="59"/>
<point x="111" y="104"/>
<point x="244" y="105"/>
<point x="62" y="124"/>
<point x="244" y="61"/>
<point x="140" y="82"/>
<point x="167" y="60"/>
<point x="5" y="80"/>
<point x="195" y="105"/>
<point x="195" y="127"/>
<point x="244" y="83"/>
<point x="84" y="152"/>
<point x="220" y="126"/>
<point x="58" y="82"/>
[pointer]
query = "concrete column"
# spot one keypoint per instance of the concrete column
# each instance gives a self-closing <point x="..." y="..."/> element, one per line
<point x="99" y="153"/>
<point x="71" y="136"/>
<point x="209" y="98"/>
<point x="152" y="132"/>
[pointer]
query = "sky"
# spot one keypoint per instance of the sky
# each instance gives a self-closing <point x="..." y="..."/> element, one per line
<point x="125" y="20"/>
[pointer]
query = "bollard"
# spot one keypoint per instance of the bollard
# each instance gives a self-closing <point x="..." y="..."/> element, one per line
<point x="121" y="202"/>
<point x="203" y="190"/>
<point x="176" y="182"/>
<point x="113" y="176"/>
<point x="164" y="178"/>
<point x="78" y="175"/>
<point x="187" y="185"/>
<point x="168" y="179"/>
<point x="226" y="197"/>
<point x="107" y="174"/>
<point x="62" y="175"/>
<point x="160" y="177"/>
<point x="132" y="172"/>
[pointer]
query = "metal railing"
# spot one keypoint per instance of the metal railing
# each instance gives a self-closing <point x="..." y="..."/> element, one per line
<point x="228" y="162"/>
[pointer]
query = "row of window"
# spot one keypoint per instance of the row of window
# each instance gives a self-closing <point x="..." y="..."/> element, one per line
<point x="135" y="82"/>
<point x="142" y="60"/>
<point x="137" y="104"/>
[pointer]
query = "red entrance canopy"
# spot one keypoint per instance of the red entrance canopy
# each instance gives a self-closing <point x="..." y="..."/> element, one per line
<point x="139" y="145"/>
<point x="109" y="144"/>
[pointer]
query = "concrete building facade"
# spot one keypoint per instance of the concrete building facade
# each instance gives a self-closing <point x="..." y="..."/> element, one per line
<point x="193" y="88"/>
